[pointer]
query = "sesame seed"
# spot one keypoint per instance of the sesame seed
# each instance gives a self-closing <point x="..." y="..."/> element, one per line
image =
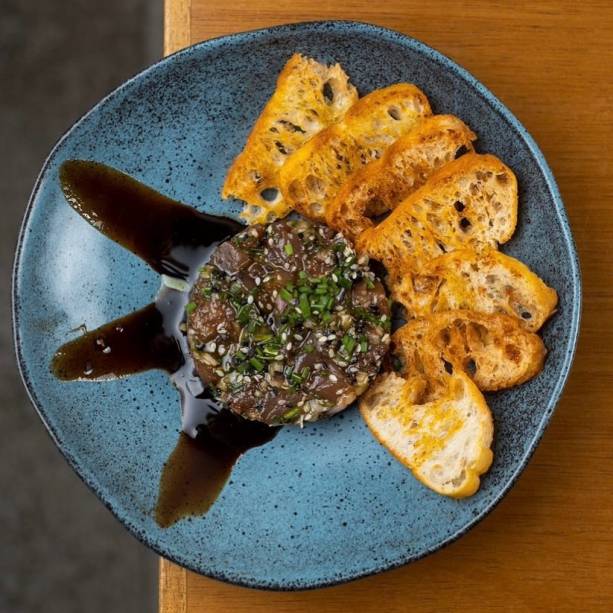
<point x="288" y="347"/>
<point x="318" y="366"/>
<point x="331" y="353"/>
<point x="249" y="299"/>
<point x="210" y="346"/>
<point x="257" y="280"/>
<point x="385" y="338"/>
<point x="221" y="349"/>
<point x="383" y="317"/>
<point x="219" y="372"/>
<point x="333" y="378"/>
<point x="244" y="349"/>
<point x="339" y="392"/>
<point x="331" y="337"/>
<point x="275" y="293"/>
<point x="334" y="278"/>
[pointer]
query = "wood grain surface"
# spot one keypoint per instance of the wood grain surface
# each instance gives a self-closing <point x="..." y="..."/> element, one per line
<point x="549" y="545"/>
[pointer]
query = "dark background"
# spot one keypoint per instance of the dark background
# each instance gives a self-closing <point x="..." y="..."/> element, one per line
<point x="60" y="549"/>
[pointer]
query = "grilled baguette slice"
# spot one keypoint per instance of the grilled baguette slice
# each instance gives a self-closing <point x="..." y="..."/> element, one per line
<point x="312" y="175"/>
<point x="403" y="168"/>
<point x="496" y="351"/>
<point x="487" y="281"/>
<point x="309" y="97"/>
<point x="441" y="430"/>
<point x="471" y="201"/>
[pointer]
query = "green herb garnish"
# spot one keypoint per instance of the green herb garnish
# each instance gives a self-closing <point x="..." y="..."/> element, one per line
<point x="244" y="314"/>
<point x="349" y="344"/>
<point x="304" y="305"/>
<point x="291" y="415"/>
<point x="363" y="344"/>
<point x="285" y="294"/>
<point x="190" y="307"/>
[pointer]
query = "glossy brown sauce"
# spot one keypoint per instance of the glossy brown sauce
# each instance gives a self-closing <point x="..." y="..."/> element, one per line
<point x="175" y="240"/>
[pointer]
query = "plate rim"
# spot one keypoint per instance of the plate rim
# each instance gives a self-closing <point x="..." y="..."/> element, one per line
<point x="348" y="27"/>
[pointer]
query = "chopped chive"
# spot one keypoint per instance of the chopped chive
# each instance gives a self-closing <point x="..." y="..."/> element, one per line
<point x="284" y="293"/>
<point x="257" y="364"/>
<point x="369" y="283"/>
<point x="242" y="368"/>
<point x="271" y="349"/>
<point x="363" y="344"/>
<point x="263" y="337"/>
<point x="243" y="314"/>
<point x="349" y="343"/>
<point x="190" y="307"/>
<point x="304" y="305"/>
<point x="291" y="415"/>
<point x="289" y="249"/>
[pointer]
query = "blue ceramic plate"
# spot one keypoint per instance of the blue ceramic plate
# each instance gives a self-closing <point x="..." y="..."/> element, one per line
<point x="316" y="506"/>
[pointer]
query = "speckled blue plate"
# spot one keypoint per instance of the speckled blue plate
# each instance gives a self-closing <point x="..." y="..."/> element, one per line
<point x="313" y="507"/>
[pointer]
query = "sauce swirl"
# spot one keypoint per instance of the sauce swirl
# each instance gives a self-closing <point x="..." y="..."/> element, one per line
<point x="174" y="240"/>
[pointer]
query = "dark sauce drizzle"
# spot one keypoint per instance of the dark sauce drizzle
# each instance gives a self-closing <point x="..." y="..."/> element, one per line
<point x="174" y="239"/>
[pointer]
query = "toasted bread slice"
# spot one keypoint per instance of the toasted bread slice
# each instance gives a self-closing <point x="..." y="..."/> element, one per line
<point x="441" y="430"/>
<point x="496" y="351"/>
<point x="487" y="281"/>
<point x="312" y="175"/>
<point x="403" y="168"/>
<point x="309" y="97"/>
<point x="472" y="201"/>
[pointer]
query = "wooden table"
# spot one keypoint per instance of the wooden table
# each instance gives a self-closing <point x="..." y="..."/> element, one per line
<point x="548" y="546"/>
